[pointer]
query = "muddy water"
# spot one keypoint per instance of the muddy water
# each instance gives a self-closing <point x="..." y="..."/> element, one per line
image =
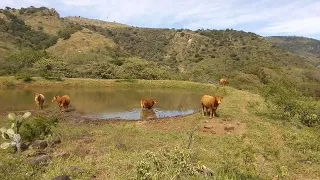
<point x="106" y="103"/>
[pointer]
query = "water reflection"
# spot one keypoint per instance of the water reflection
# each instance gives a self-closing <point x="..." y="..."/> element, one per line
<point x="107" y="103"/>
<point x="147" y="114"/>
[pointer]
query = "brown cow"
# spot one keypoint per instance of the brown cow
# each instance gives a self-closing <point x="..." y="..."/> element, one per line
<point x="39" y="99"/>
<point x="147" y="103"/>
<point x="223" y="81"/>
<point x="212" y="103"/>
<point x="63" y="102"/>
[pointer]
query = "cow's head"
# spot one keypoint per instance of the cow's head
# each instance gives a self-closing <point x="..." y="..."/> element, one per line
<point x="219" y="99"/>
<point x="54" y="98"/>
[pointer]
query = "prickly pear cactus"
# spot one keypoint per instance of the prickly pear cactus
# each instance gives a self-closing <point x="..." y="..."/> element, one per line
<point x="9" y="134"/>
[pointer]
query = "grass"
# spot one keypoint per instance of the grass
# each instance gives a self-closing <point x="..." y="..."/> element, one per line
<point x="83" y="41"/>
<point x="266" y="149"/>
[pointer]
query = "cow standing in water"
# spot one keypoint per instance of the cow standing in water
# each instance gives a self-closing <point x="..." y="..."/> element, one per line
<point x="223" y="81"/>
<point x="39" y="99"/>
<point x="212" y="103"/>
<point x="63" y="102"/>
<point x="147" y="103"/>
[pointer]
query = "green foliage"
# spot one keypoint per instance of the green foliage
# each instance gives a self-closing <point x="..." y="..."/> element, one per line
<point x="9" y="83"/>
<point x="22" y="60"/>
<point x="166" y="164"/>
<point x="23" y="34"/>
<point x="38" y="127"/>
<point x="310" y="115"/>
<point x="283" y="101"/>
<point x="286" y="103"/>
<point x="300" y="45"/>
<point x="25" y="77"/>
<point x="50" y="68"/>
<point x="70" y="29"/>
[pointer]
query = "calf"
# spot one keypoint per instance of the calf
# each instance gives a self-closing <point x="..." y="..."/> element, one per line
<point x="39" y="99"/>
<point x="212" y="103"/>
<point x="223" y="81"/>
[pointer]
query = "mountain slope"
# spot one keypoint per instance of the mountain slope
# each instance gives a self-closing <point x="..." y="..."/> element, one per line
<point x="300" y="45"/>
<point x="306" y="47"/>
<point x="83" y="41"/>
<point x="112" y="50"/>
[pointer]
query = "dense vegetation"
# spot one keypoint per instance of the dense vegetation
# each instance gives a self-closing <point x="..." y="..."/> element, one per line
<point x="23" y="35"/>
<point x="300" y="45"/>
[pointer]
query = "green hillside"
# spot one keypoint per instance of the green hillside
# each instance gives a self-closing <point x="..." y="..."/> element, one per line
<point x="81" y="47"/>
<point x="306" y="47"/>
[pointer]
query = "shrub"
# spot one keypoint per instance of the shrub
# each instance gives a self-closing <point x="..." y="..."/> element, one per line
<point x="283" y="100"/>
<point x="8" y="84"/>
<point x="38" y="128"/>
<point x="310" y="116"/>
<point x="166" y="164"/>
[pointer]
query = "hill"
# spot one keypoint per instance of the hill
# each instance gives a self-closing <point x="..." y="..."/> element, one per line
<point x="306" y="47"/>
<point x="113" y="50"/>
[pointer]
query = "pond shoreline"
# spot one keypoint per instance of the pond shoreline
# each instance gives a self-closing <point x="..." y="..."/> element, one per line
<point x="98" y="83"/>
<point x="12" y="82"/>
<point x="76" y="117"/>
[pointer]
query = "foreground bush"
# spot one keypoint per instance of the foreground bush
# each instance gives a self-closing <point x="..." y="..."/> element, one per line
<point x="286" y="103"/>
<point x="38" y="128"/>
<point x="166" y="164"/>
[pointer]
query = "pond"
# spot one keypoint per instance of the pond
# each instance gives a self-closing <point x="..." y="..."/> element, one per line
<point x="107" y="102"/>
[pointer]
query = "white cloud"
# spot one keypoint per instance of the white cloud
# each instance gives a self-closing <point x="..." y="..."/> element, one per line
<point x="298" y="26"/>
<point x="267" y="17"/>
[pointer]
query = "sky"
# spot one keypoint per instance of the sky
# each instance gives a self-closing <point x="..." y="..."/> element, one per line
<point x="264" y="17"/>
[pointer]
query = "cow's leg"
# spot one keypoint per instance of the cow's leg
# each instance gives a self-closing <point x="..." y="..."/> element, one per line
<point x="211" y="112"/>
<point x="61" y="107"/>
<point x="202" y="109"/>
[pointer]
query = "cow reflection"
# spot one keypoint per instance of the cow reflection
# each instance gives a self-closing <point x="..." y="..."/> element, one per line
<point x="147" y="114"/>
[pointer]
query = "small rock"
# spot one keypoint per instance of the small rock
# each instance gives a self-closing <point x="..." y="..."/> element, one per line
<point x="73" y="168"/>
<point x="56" y="140"/>
<point x="35" y="154"/>
<point x="206" y="121"/>
<point x="208" y="126"/>
<point x="61" y="177"/>
<point x="63" y="155"/>
<point x="40" y="159"/>
<point x="24" y="145"/>
<point x="229" y="127"/>
<point x="121" y="146"/>
<point x="39" y="144"/>
<point x="32" y="173"/>
<point x="205" y="170"/>
<point x="299" y="126"/>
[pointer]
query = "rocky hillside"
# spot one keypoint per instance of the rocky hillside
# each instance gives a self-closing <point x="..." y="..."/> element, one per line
<point x="81" y="47"/>
<point x="306" y="47"/>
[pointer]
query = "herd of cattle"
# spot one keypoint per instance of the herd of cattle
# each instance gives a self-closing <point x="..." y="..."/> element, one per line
<point x="207" y="102"/>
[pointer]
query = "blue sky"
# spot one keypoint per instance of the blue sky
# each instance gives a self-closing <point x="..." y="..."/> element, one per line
<point x="264" y="17"/>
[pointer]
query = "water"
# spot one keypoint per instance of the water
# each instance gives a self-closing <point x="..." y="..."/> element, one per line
<point x="107" y="103"/>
